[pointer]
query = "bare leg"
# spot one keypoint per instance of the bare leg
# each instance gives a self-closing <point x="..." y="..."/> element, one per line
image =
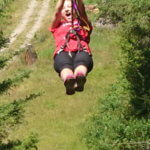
<point x="80" y="68"/>
<point x="65" y="73"/>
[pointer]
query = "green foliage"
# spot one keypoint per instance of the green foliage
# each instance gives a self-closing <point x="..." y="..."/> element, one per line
<point x="2" y="39"/>
<point x="113" y="10"/>
<point x="112" y="126"/>
<point x="26" y="144"/>
<point x="11" y="114"/>
<point x="4" y="4"/>
<point x="3" y="62"/>
<point x="91" y="1"/>
<point x="134" y="19"/>
<point x="10" y="82"/>
<point x="123" y="116"/>
<point x="135" y="43"/>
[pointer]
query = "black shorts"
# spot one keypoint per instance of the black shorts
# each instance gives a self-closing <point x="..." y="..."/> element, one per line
<point x="72" y="60"/>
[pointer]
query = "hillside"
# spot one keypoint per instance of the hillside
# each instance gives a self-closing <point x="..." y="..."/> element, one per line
<point x="56" y="117"/>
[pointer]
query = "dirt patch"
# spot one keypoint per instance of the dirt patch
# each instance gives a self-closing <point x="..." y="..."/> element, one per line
<point x="38" y="23"/>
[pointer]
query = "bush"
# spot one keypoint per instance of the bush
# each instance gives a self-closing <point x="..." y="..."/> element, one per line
<point x="113" y="10"/>
<point x="122" y="119"/>
<point x="29" y="143"/>
<point x="3" y="62"/>
<point x="2" y="40"/>
<point x="112" y="126"/>
<point x="10" y="82"/>
<point x="135" y="43"/>
<point x="11" y="114"/>
<point x="4" y="4"/>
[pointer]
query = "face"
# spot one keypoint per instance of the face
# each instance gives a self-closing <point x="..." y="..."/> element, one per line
<point x="66" y="11"/>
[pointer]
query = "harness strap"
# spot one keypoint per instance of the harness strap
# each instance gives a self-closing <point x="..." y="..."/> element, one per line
<point x="68" y="38"/>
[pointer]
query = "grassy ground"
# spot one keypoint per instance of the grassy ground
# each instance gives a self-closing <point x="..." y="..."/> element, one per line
<point x="55" y="116"/>
<point x="9" y="23"/>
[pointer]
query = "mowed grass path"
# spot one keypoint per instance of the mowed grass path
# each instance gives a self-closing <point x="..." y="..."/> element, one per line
<point x="55" y="116"/>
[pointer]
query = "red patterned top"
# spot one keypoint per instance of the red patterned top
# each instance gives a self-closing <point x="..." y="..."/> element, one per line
<point x="60" y="32"/>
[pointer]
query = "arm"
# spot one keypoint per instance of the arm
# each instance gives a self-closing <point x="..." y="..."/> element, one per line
<point x="57" y="14"/>
<point x="81" y="9"/>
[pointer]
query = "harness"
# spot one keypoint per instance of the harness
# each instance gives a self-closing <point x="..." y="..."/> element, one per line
<point x="74" y="30"/>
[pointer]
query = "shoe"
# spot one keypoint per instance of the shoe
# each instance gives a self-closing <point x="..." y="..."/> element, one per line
<point x="80" y="80"/>
<point x="69" y="84"/>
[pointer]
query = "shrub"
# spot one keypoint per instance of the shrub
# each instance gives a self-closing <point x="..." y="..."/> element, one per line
<point x="122" y="119"/>
<point x="11" y="114"/>
<point x="29" y="143"/>
<point x="9" y="82"/>
<point x="112" y="126"/>
<point x="135" y="43"/>
<point x="2" y="39"/>
<point x="113" y="10"/>
<point x="3" y="62"/>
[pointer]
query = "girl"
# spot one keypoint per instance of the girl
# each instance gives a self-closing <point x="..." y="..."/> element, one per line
<point x="72" y="56"/>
